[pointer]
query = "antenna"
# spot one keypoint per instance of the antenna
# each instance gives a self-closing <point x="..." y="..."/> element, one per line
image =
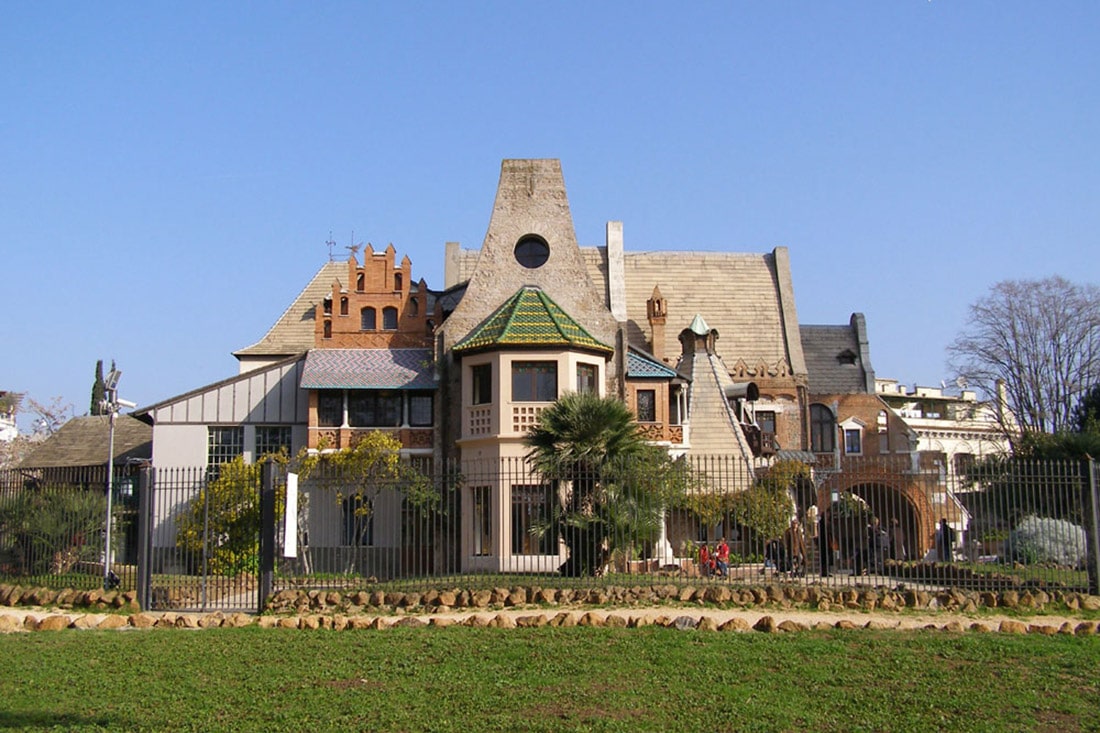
<point x="353" y="247"/>
<point x="330" y="244"/>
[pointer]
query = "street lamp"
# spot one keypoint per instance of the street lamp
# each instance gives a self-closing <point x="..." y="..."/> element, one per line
<point x="110" y="404"/>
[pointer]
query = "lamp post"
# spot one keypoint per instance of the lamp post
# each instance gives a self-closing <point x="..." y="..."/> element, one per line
<point x="110" y="404"/>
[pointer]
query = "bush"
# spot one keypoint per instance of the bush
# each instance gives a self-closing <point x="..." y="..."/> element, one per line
<point x="49" y="532"/>
<point x="1046" y="540"/>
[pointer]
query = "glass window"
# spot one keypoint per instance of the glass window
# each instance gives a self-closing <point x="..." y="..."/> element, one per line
<point x="853" y="441"/>
<point x="223" y="444"/>
<point x="822" y="429"/>
<point x="359" y="282"/>
<point x="532" y="251"/>
<point x="534" y="381"/>
<point x="344" y="306"/>
<point x="272" y="439"/>
<point x="330" y="408"/>
<point x="389" y="318"/>
<point x="397" y="281"/>
<point x="358" y="521"/>
<point x="482" y="388"/>
<point x="420" y="409"/>
<point x="647" y="405"/>
<point x="483" y="521"/>
<point x="369" y="408"/>
<point x="328" y="329"/>
<point x="367" y="319"/>
<point x="586" y="378"/>
<point x="531" y="510"/>
<point x="765" y="419"/>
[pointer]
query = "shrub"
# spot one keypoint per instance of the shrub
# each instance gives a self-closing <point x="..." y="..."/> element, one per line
<point x="1043" y="539"/>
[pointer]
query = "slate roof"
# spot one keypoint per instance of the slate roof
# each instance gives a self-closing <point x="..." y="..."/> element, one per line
<point x="369" y="369"/>
<point x="641" y="367"/>
<point x="837" y="358"/>
<point x="530" y="318"/>
<point x="293" y="333"/>
<point x="83" y="441"/>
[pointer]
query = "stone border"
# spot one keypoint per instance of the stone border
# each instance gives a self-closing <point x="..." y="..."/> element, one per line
<point x="48" y="621"/>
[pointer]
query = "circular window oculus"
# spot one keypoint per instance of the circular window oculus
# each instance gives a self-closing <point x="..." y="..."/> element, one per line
<point x="532" y="251"/>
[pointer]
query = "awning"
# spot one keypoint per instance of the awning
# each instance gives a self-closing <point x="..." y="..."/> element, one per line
<point x="369" y="369"/>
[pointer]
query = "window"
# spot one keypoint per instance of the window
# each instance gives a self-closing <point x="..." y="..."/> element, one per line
<point x="367" y="319"/>
<point x="846" y="358"/>
<point x="397" y="281"/>
<point x="389" y="318"/>
<point x="964" y="463"/>
<point x="586" y="378"/>
<point x="647" y="405"/>
<point x="534" y="381"/>
<point x="532" y="251"/>
<point x="883" y="442"/>
<point x="359" y="282"/>
<point x="420" y="409"/>
<point x="223" y="444"/>
<point x="822" y="429"/>
<point x="344" y="306"/>
<point x="531" y="510"/>
<point x="327" y="306"/>
<point x="853" y="441"/>
<point x="414" y="307"/>
<point x="765" y="419"/>
<point x="328" y="329"/>
<point x="482" y="388"/>
<point x="358" y="521"/>
<point x="368" y="408"/>
<point x="272" y="439"/>
<point x="330" y="408"/>
<point x="483" y="521"/>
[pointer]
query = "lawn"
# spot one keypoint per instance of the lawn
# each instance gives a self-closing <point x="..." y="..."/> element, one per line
<point x="547" y="679"/>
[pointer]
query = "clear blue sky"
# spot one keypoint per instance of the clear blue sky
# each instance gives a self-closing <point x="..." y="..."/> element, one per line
<point x="170" y="172"/>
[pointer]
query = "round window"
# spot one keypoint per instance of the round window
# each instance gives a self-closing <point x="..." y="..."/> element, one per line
<point x="532" y="251"/>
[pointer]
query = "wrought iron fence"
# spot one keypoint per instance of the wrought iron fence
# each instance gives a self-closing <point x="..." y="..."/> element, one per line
<point x="196" y="538"/>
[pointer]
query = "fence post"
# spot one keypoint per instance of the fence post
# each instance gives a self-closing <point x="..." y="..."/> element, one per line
<point x="267" y="532"/>
<point x="1092" y="507"/>
<point x="145" y="535"/>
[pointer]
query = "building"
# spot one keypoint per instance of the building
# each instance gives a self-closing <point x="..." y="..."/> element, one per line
<point x="705" y="347"/>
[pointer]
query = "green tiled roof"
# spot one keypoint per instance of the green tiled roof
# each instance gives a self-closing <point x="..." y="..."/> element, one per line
<point x="530" y="318"/>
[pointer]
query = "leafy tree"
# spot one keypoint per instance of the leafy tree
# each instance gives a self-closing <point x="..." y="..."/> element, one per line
<point x="99" y="391"/>
<point x="612" y="485"/>
<point x="766" y="507"/>
<point x="1086" y="416"/>
<point x="50" y="529"/>
<point x="1041" y="340"/>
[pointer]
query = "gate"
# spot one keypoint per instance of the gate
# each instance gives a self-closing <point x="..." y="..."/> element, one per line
<point x="200" y="538"/>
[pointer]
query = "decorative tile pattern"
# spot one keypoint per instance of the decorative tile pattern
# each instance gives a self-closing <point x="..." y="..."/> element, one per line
<point x="530" y="318"/>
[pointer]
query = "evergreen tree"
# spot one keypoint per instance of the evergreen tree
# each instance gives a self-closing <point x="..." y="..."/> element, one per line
<point x="99" y="391"/>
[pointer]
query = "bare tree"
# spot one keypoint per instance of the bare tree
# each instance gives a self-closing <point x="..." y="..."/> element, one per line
<point x="1041" y="339"/>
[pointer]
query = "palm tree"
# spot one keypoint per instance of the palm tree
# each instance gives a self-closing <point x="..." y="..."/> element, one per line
<point x="590" y="446"/>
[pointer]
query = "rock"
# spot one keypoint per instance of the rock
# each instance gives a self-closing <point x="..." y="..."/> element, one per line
<point x="1010" y="599"/>
<point x="613" y="620"/>
<point x="143" y="620"/>
<point x="591" y="619"/>
<point x="52" y="622"/>
<point x="289" y="622"/>
<point x="954" y="627"/>
<point x="792" y="625"/>
<point x="683" y="623"/>
<point x="477" y="621"/>
<point x="441" y="623"/>
<point x="845" y="624"/>
<point x="706" y="623"/>
<point x="502" y="621"/>
<point x="1009" y="626"/>
<point x="1086" y="628"/>
<point x="1090" y="603"/>
<point x="766" y="624"/>
<point x="409" y="622"/>
<point x="9" y="624"/>
<point x="735" y="624"/>
<point x="1044" y="629"/>
<point x="563" y="620"/>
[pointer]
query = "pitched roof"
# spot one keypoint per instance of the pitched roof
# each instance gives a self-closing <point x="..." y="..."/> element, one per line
<point x="369" y="369"/>
<point x="530" y="318"/>
<point x="83" y="442"/>
<point x="293" y="333"/>
<point x="837" y="358"/>
<point x="646" y="367"/>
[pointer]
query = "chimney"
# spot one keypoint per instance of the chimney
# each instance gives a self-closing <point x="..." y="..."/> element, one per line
<point x="656" y="311"/>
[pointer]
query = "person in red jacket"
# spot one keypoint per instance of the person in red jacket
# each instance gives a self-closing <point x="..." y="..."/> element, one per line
<point x="722" y="557"/>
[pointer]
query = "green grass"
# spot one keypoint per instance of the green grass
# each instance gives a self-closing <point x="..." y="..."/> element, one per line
<point x="549" y="679"/>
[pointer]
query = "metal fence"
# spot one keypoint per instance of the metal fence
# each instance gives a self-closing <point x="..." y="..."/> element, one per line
<point x="229" y="536"/>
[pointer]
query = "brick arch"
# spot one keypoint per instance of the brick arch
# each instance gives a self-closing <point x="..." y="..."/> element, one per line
<point x="890" y="495"/>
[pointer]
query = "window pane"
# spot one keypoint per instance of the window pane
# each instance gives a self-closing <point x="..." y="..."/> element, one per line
<point x="367" y="319"/>
<point x="389" y="319"/>
<point x="223" y="444"/>
<point x="482" y="384"/>
<point x="822" y="429"/>
<point x="272" y="439"/>
<point x="531" y="509"/>
<point x="647" y="405"/>
<point x="482" y="521"/>
<point x="420" y="410"/>
<point x="586" y="378"/>
<point x="852" y="441"/>
<point x="330" y="408"/>
<point x="534" y="381"/>
<point x="374" y="409"/>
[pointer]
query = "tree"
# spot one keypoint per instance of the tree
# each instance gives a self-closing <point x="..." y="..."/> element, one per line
<point x="99" y="391"/>
<point x="612" y="486"/>
<point x="1086" y="416"/>
<point x="1041" y="340"/>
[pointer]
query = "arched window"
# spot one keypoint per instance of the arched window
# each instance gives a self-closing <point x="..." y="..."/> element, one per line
<point x="389" y="318"/>
<point x="344" y="306"/>
<point x="822" y="429"/>
<point x="367" y="319"/>
<point x="397" y="281"/>
<point x="328" y="329"/>
<point x="327" y="306"/>
<point x="359" y="282"/>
